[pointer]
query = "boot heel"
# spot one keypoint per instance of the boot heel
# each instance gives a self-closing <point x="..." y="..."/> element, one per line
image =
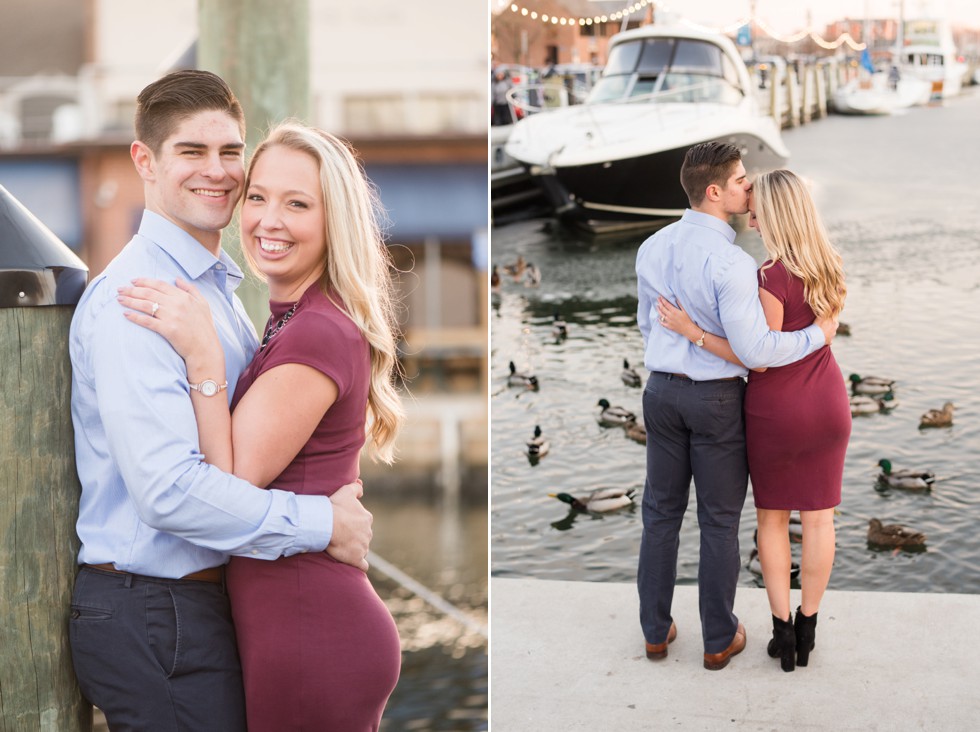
<point x="805" y="628"/>
<point x="783" y="644"/>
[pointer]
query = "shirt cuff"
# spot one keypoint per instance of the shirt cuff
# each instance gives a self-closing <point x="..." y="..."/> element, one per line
<point x="315" y="527"/>
<point x="816" y="337"/>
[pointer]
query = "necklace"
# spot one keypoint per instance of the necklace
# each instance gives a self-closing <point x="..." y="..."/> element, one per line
<point x="271" y="329"/>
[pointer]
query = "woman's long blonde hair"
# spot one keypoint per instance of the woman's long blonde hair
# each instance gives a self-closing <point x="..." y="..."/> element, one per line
<point x="794" y="235"/>
<point x="357" y="264"/>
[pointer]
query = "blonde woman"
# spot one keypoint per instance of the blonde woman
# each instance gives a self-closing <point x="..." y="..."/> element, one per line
<point x="797" y="417"/>
<point x="319" y="650"/>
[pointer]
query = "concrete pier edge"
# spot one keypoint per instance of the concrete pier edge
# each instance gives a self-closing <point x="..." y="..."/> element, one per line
<point x="569" y="656"/>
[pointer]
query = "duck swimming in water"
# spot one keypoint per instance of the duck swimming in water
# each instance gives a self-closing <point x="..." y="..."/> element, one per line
<point x="861" y="404"/>
<point x="629" y="375"/>
<point x="938" y="417"/>
<point x="870" y="385"/>
<point x="910" y="480"/>
<point x="516" y="378"/>
<point x="893" y="535"/>
<point x="537" y="446"/>
<point x="599" y="501"/>
<point x="614" y="416"/>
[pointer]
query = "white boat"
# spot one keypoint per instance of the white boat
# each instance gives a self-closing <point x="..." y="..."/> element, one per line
<point x="875" y="94"/>
<point x="926" y="51"/>
<point x="616" y="158"/>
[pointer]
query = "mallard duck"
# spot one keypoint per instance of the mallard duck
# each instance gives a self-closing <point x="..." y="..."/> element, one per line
<point x="629" y="375"/>
<point x="559" y="328"/>
<point x="532" y="276"/>
<point x="872" y="405"/>
<point x="910" y="480"/>
<point x="755" y="566"/>
<point x="893" y="535"/>
<point x="871" y="385"/>
<point x="516" y="378"/>
<point x="599" y="501"/>
<point x="614" y="416"/>
<point x="938" y="417"/>
<point x="636" y="432"/>
<point x="843" y="329"/>
<point x="537" y="446"/>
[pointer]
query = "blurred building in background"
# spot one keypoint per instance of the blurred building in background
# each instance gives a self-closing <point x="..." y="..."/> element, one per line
<point x="396" y="79"/>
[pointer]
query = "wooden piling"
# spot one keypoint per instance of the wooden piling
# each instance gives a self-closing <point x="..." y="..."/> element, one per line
<point x="39" y="493"/>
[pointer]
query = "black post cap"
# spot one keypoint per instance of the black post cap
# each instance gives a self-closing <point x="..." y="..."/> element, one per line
<point x="36" y="267"/>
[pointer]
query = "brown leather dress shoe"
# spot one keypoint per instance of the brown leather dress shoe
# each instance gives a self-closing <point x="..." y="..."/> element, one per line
<point x="656" y="651"/>
<point x="716" y="661"/>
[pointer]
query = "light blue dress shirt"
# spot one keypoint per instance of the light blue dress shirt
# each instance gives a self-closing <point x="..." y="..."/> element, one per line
<point x="695" y="261"/>
<point x="149" y="503"/>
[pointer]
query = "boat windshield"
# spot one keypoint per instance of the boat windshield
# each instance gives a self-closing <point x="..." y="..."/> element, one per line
<point x="668" y="70"/>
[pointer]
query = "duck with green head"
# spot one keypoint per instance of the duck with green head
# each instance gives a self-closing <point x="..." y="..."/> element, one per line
<point x="629" y="376"/>
<point x="611" y="416"/>
<point x="861" y="404"/>
<point x="537" y="445"/>
<point x="906" y="479"/>
<point x="599" y="501"/>
<point x="871" y="385"/>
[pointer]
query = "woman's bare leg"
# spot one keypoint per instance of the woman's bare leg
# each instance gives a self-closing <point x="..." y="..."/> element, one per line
<point x="775" y="557"/>
<point x="818" y="557"/>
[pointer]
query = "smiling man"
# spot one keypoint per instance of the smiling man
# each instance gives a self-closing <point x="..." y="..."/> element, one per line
<point x="151" y="634"/>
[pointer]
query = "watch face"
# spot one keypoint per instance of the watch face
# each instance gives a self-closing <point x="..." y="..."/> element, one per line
<point x="209" y="388"/>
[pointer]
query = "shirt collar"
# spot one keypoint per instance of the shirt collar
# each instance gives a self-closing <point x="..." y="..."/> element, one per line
<point x="712" y="222"/>
<point x="184" y="249"/>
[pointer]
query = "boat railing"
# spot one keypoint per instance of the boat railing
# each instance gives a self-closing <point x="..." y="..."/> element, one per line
<point x="528" y="99"/>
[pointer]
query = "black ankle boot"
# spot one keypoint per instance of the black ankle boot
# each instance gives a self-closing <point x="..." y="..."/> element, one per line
<point x="806" y="633"/>
<point x="783" y="643"/>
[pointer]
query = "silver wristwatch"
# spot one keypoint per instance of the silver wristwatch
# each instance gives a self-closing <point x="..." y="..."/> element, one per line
<point x="208" y="387"/>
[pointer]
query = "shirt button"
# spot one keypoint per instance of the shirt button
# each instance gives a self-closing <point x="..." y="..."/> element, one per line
<point x="219" y="266"/>
<point x="255" y="551"/>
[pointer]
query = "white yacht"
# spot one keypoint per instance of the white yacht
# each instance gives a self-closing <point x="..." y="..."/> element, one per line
<point x="616" y="159"/>
<point x="926" y="51"/>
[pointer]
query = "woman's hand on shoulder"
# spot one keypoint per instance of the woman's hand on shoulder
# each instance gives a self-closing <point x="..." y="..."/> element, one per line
<point x="178" y="312"/>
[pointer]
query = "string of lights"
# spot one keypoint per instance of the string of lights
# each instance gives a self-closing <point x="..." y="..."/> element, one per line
<point x="594" y="20"/>
<point x="726" y="30"/>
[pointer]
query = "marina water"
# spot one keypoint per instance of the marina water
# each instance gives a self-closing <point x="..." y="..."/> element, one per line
<point x="899" y="197"/>
<point x="441" y="544"/>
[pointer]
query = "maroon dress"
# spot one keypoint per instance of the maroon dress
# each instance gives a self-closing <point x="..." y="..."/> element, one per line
<point x="319" y="649"/>
<point x="797" y="417"/>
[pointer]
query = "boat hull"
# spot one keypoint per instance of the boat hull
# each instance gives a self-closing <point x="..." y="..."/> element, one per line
<point x="641" y="189"/>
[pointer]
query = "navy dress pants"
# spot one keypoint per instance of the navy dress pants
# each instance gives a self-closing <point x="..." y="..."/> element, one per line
<point x="694" y="430"/>
<point x="156" y="655"/>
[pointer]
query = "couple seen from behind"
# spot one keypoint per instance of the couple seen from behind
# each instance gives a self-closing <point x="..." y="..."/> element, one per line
<point x="197" y="443"/>
<point x="708" y="319"/>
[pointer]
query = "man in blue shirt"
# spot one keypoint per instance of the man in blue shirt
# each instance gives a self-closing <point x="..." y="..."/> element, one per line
<point x="151" y="631"/>
<point x="692" y="404"/>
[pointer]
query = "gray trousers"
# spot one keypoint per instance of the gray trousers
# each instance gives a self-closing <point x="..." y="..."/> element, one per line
<point x="156" y="655"/>
<point x="694" y="430"/>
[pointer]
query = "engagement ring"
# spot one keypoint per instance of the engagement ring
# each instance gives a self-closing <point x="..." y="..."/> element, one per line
<point x="156" y="306"/>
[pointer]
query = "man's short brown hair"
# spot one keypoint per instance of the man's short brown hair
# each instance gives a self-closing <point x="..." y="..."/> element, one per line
<point x="705" y="164"/>
<point x="165" y="103"/>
